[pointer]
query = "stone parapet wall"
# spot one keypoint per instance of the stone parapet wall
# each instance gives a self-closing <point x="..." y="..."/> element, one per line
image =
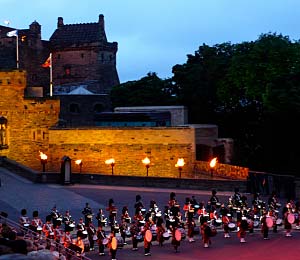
<point x="222" y="170"/>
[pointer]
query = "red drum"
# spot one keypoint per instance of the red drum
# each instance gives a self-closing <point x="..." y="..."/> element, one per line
<point x="114" y="243"/>
<point x="177" y="235"/>
<point x="148" y="236"/>
<point x="269" y="222"/>
<point x="291" y="218"/>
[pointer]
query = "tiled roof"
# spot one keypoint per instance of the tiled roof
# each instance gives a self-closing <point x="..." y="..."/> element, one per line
<point x="70" y="34"/>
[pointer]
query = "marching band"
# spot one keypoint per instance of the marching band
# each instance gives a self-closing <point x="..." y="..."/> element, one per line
<point x="175" y="222"/>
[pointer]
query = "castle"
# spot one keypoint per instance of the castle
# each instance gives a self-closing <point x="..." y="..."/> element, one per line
<point x="84" y="71"/>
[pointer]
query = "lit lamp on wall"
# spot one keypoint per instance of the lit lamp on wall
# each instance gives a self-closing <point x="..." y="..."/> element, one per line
<point x="212" y="165"/>
<point x="146" y="162"/>
<point x="111" y="162"/>
<point x="79" y="162"/>
<point x="43" y="160"/>
<point x="180" y="163"/>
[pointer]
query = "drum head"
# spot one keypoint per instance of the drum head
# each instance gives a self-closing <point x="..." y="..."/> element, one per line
<point x="279" y="221"/>
<point x="291" y="218"/>
<point x="269" y="222"/>
<point x="177" y="235"/>
<point x="39" y="228"/>
<point x="84" y="232"/>
<point x="166" y="234"/>
<point x="114" y="243"/>
<point x="231" y="225"/>
<point x="148" y="236"/>
<point x="72" y="225"/>
<point x="105" y="241"/>
<point x="26" y="225"/>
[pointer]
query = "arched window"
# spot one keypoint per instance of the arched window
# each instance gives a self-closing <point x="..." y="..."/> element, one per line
<point x="3" y="133"/>
<point x="74" y="108"/>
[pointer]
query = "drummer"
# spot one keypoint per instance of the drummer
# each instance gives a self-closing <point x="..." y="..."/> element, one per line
<point x="24" y="219"/>
<point x="111" y="246"/>
<point x="36" y="222"/>
<point x="174" y="242"/>
<point x="112" y="212"/>
<point x="160" y="230"/>
<point x="214" y="199"/>
<point x="138" y="205"/>
<point x="88" y="214"/>
<point x="80" y="227"/>
<point x="134" y="231"/>
<point x="101" y="218"/>
<point x="147" y="240"/>
<point x="264" y="225"/>
<point x="287" y="225"/>
<point x="55" y="216"/>
<point x="101" y="236"/>
<point x="68" y="221"/>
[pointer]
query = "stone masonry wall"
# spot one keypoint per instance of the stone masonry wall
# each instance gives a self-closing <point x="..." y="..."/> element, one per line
<point x="28" y="120"/>
<point x="128" y="146"/>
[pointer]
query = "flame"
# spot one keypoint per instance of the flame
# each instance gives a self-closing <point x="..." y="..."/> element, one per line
<point x="110" y="161"/>
<point x="146" y="161"/>
<point x="43" y="156"/>
<point x="79" y="161"/>
<point x="180" y="162"/>
<point x="213" y="162"/>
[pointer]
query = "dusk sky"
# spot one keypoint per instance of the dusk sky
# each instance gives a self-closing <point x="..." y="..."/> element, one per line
<point x="155" y="35"/>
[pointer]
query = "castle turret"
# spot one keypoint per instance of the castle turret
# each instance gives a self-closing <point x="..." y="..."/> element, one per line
<point x="60" y="22"/>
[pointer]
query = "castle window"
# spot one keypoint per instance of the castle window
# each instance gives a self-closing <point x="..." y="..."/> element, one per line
<point x="3" y="133"/>
<point x="58" y="56"/>
<point x="8" y="82"/>
<point x="102" y="57"/>
<point x="82" y="55"/>
<point x="98" y="108"/>
<point x="74" y="108"/>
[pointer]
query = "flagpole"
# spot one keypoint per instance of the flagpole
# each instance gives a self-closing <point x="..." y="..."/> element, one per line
<point x="17" y="47"/>
<point x="51" y="75"/>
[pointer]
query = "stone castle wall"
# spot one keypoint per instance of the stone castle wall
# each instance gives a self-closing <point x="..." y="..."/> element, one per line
<point x="128" y="146"/>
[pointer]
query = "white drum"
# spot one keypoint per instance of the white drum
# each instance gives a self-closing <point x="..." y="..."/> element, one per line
<point x="231" y="226"/>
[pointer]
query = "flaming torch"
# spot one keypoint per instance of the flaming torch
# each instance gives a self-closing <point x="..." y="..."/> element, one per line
<point x="212" y="165"/>
<point x="146" y="162"/>
<point x="180" y="163"/>
<point x="111" y="162"/>
<point x="43" y="160"/>
<point x="79" y="162"/>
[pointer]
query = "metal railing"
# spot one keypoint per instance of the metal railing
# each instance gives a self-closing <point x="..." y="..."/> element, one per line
<point x="40" y="239"/>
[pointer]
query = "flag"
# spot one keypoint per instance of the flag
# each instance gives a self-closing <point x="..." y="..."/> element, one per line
<point x="12" y="33"/>
<point x="47" y="63"/>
